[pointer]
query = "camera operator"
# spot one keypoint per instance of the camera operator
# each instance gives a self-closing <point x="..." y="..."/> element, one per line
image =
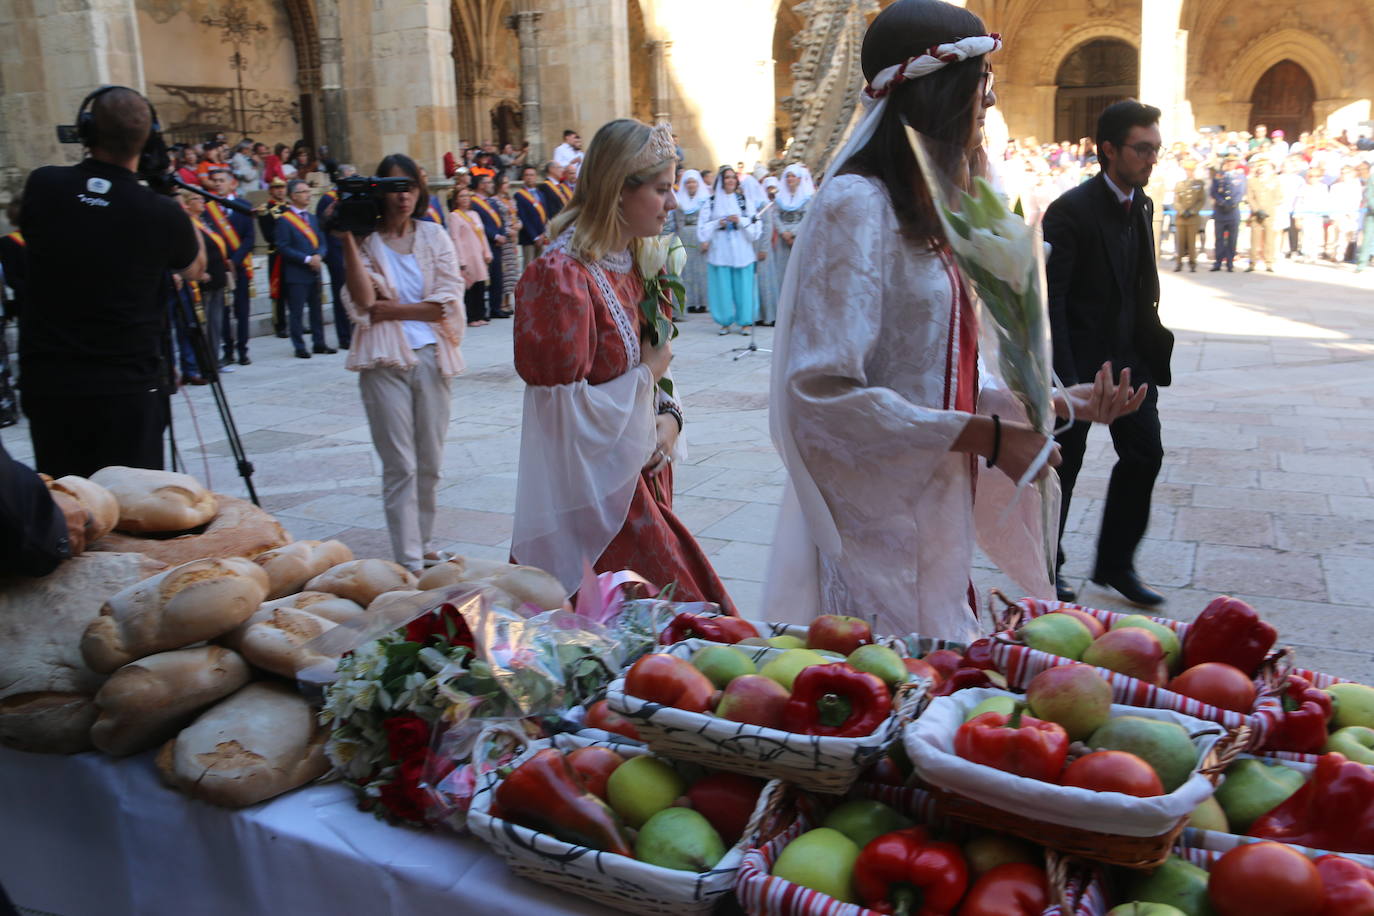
<point x="91" y="333"/>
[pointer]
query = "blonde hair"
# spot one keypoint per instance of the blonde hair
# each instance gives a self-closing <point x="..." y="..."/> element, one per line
<point x="595" y="206"/>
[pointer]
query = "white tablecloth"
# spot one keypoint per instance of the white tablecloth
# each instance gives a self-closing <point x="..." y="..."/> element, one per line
<point x="91" y="836"/>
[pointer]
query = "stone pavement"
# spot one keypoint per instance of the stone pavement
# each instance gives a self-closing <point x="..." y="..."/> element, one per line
<point x="1267" y="490"/>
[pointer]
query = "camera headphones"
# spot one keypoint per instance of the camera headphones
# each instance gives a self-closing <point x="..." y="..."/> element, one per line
<point x="154" y="160"/>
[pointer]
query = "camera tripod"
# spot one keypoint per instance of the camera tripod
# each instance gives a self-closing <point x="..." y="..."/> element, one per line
<point x="192" y="323"/>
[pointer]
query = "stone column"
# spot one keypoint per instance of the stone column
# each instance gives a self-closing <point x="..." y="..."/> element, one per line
<point x="334" y="130"/>
<point x="526" y="25"/>
<point x="658" y="70"/>
<point x="1163" y="63"/>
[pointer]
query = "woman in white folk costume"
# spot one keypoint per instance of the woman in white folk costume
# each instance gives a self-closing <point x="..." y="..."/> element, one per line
<point x="769" y="279"/>
<point x="794" y="194"/>
<point x="599" y="434"/>
<point x="875" y="376"/>
<point x="728" y="229"/>
<point x="693" y="194"/>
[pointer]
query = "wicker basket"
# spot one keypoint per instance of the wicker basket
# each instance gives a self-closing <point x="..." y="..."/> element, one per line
<point x="615" y="880"/>
<point x="819" y="764"/>
<point x="1047" y="813"/>
<point x="1075" y="888"/>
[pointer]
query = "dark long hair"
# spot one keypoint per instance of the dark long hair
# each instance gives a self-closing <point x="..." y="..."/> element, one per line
<point x="940" y="106"/>
<point x="407" y="165"/>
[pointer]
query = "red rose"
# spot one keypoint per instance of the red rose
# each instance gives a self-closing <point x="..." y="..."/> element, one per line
<point x="403" y="797"/>
<point x="406" y="736"/>
<point x="439" y="624"/>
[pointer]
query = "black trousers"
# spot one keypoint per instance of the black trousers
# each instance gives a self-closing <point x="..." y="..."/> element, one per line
<point x="475" y="301"/>
<point x="236" y="315"/>
<point x="343" y="325"/>
<point x="1139" y="455"/>
<point x="298" y="297"/>
<point x="496" y="286"/>
<point x="84" y="434"/>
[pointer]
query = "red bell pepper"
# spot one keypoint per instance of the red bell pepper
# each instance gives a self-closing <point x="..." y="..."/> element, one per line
<point x="979" y="655"/>
<point x="725" y="628"/>
<point x="907" y="873"/>
<point x="1348" y="886"/>
<point x="1228" y="630"/>
<point x="1306" y="710"/>
<point x="545" y="793"/>
<point x="1018" y="744"/>
<point x="1334" y="809"/>
<point x="836" y="701"/>
<point x="670" y="681"/>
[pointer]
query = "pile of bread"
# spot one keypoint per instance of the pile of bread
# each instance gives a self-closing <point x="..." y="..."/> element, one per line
<point x="119" y="651"/>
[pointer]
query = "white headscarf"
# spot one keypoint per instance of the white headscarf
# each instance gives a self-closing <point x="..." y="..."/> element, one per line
<point x="754" y="192"/>
<point x="786" y="199"/>
<point x="691" y="203"/>
<point x="722" y="202"/>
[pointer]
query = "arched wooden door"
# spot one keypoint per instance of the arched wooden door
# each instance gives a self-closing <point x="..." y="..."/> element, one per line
<point x="1283" y="99"/>
<point x="1095" y="75"/>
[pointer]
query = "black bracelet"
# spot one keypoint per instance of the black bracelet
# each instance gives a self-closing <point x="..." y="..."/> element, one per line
<point x="672" y="411"/>
<point x="996" y="439"/>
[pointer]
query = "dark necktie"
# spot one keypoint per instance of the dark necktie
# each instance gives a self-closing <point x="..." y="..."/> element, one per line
<point x="1126" y="206"/>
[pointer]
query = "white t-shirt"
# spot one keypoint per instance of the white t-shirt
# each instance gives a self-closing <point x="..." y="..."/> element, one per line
<point x="565" y="154"/>
<point x="410" y="287"/>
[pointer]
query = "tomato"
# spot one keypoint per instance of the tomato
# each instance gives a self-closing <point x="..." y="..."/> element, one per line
<point x="670" y="681"/>
<point x="595" y="765"/>
<point x="1218" y="684"/>
<point x="922" y="668"/>
<point x="1268" y="878"/>
<point x="1013" y="889"/>
<point x="1113" y="771"/>
<point x="944" y="661"/>
<point x="600" y="715"/>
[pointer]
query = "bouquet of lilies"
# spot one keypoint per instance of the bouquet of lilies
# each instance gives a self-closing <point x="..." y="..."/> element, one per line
<point x="1003" y="259"/>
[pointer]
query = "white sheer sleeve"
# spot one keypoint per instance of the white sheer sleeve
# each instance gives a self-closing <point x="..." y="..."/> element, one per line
<point x="581" y="452"/>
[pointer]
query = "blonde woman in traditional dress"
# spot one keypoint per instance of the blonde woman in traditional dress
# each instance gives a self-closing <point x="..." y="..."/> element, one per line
<point x="600" y="435"/>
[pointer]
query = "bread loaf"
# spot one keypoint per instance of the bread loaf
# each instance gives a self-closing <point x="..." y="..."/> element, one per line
<point x="259" y="743"/>
<point x="461" y="569"/>
<point x="386" y="598"/>
<point x="147" y="701"/>
<point x="186" y="604"/>
<point x="526" y="583"/>
<point x="277" y="642"/>
<point x="156" y="500"/>
<point x="362" y="580"/>
<point x="239" y="529"/>
<point x="532" y="585"/>
<point x="289" y="568"/>
<point x="95" y="499"/>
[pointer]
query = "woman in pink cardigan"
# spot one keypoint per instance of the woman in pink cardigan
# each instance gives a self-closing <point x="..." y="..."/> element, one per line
<point x="404" y="293"/>
<point x="474" y="254"/>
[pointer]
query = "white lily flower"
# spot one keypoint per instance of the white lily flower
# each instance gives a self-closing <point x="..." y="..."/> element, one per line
<point x="650" y="255"/>
<point x="1003" y="258"/>
<point x="677" y="257"/>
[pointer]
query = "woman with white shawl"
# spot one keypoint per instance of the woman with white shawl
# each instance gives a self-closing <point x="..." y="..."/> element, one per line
<point x="769" y="275"/>
<point x="692" y="195"/>
<point x="875" y="388"/>
<point x="795" y="193"/>
<point x="728" y="228"/>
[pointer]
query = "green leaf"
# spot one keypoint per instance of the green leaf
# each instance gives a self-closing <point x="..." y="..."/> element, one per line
<point x="667" y="385"/>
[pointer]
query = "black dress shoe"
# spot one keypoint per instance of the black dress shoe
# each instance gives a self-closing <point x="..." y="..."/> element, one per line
<point x="1215" y="268"/>
<point x="282" y="334"/>
<point x="302" y="354"/>
<point x="245" y="361"/>
<point x="1063" y="591"/>
<point x="321" y="348"/>
<point x="1178" y="267"/>
<point x="1131" y="588"/>
<point x="503" y="313"/>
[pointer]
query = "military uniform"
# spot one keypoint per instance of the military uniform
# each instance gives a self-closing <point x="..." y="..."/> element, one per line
<point x="1190" y="198"/>
<point x="1264" y="197"/>
<point x="268" y="214"/>
<point x="1228" y="192"/>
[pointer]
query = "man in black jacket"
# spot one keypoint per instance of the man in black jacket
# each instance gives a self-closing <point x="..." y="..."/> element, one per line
<point x="1104" y="305"/>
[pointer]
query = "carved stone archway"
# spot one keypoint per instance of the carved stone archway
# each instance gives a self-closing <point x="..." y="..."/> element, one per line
<point x="1310" y="50"/>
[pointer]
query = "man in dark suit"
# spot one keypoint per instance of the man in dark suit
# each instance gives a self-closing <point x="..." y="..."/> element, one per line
<point x="534" y="216"/>
<point x="302" y="244"/>
<point x="1103" y="303"/>
<point x="237" y="229"/>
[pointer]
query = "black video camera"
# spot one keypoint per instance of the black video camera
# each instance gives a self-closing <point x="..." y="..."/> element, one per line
<point x="359" y="207"/>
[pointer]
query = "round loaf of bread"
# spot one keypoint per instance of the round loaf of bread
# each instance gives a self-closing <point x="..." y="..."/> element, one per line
<point x="95" y="499"/>
<point x="362" y="580"/>
<point x="157" y="500"/>
<point x="289" y="568"/>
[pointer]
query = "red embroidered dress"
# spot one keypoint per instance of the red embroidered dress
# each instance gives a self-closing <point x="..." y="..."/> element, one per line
<point x="590" y="402"/>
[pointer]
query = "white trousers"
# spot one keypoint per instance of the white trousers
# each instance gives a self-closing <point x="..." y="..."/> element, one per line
<point x="408" y="411"/>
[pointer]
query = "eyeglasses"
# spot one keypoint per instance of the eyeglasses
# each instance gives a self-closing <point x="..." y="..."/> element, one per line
<point x="1146" y="150"/>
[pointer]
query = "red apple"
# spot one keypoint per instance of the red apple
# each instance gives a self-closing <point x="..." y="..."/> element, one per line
<point x="945" y="661"/>
<point x="1095" y="626"/>
<point x="838" y="633"/>
<point x="1219" y="684"/>
<point x="1131" y="651"/>
<point x="755" y="700"/>
<point x="727" y="801"/>
<point x="595" y="765"/>
<point x="922" y="668"/>
<point x="600" y="715"/>
<point x="1113" y="771"/>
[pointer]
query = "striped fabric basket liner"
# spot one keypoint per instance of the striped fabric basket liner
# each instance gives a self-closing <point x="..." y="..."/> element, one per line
<point x="1021" y="664"/>
<point x="1075" y="888"/>
<point x="617" y="881"/>
<point x="911" y="645"/>
<point x="818" y="764"/>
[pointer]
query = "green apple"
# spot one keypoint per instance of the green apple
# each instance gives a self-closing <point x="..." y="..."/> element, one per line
<point x="881" y="662"/>
<point x="1074" y="696"/>
<point x="823" y="860"/>
<point x="1210" y="816"/>
<point x="722" y="664"/>
<point x="641" y="787"/>
<point x="1005" y="705"/>
<point x="679" y="838"/>
<point x="1352" y="704"/>
<point x="1356" y="742"/>
<point x="1163" y="745"/>
<point x="1178" y="883"/>
<point x="1141" y="908"/>
<point x="986" y="852"/>
<point x="786" y="642"/>
<point x="864" y="819"/>
<point x="1253" y="788"/>
<point x="1168" y="637"/>
<point x="785" y="668"/>
<point x="1057" y="634"/>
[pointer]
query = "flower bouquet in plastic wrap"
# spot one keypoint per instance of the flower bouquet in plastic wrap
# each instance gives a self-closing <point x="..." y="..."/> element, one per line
<point x="1003" y="261"/>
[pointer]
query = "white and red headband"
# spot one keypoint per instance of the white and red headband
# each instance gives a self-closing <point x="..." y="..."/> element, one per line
<point x="935" y="58"/>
